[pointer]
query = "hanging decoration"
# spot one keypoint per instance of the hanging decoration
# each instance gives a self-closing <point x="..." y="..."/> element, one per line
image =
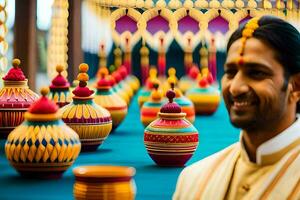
<point x="124" y="27"/>
<point x="58" y="42"/>
<point x="144" y="51"/>
<point x="155" y="24"/>
<point x="159" y="22"/>
<point x="96" y="16"/>
<point x="3" y="42"/>
<point x="188" y="33"/>
<point x="125" y="32"/>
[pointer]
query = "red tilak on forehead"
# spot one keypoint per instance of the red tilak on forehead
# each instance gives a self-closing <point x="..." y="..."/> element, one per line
<point x="240" y="60"/>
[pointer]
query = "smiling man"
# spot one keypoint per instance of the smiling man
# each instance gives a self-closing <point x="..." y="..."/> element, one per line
<point x="260" y="88"/>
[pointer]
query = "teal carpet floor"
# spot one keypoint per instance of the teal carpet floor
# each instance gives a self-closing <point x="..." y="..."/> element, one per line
<point x="123" y="147"/>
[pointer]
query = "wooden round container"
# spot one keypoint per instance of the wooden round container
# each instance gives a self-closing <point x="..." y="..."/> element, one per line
<point x="171" y="140"/>
<point x="43" y="146"/>
<point x="15" y="99"/>
<point x="104" y="183"/>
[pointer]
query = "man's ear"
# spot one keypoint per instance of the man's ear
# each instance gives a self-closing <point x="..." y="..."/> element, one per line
<point x="295" y="83"/>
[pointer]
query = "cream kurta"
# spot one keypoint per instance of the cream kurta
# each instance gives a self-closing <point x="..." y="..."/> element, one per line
<point x="230" y="175"/>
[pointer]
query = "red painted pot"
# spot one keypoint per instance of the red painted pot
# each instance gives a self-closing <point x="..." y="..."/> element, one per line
<point x="171" y="140"/>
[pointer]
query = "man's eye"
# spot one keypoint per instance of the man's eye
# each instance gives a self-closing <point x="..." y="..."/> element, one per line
<point x="258" y="74"/>
<point x="230" y="72"/>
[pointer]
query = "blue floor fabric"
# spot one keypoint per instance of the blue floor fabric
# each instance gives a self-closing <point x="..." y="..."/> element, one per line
<point x="123" y="147"/>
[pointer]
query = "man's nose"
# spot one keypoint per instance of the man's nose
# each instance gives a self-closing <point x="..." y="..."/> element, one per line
<point x="238" y="85"/>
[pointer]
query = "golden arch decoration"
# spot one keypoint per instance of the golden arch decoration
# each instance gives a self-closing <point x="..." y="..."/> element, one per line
<point x="243" y="13"/>
<point x="120" y="38"/>
<point x="154" y="40"/>
<point x="226" y="14"/>
<point x="195" y="38"/>
<point x="219" y="37"/>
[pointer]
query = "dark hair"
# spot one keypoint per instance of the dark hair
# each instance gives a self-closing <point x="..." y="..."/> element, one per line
<point x="282" y="37"/>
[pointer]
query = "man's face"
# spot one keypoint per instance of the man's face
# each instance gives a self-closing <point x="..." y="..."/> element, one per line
<point x="254" y="91"/>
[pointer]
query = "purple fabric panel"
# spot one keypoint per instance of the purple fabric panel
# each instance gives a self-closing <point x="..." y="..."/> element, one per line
<point x="126" y="23"/>
<point x="296" y="4"/>
<point x="156" y="24"/>
<point x="218" y="24"/>
<point x="244" y="20"/>
<point x="188" y="23"/>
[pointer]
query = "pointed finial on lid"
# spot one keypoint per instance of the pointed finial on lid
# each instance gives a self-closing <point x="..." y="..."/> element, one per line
<point x="194" y="71"/>
<point x="172" y="71"/>
<point x="172" y="81"/>
<point x="203" y="83"/>
<point x="153" y="72"/>
<point x="15" y="73"/>
<point x="43" y="105"/>
<point x="82" y="91"/>
<point x="59" y="68"/>
<point x="103" y="72"/>
<point x="44" y="91"/>
<point x="83" y="67"/>
<point x="170" y="95"/>
<point x="59" y="81"/>
<point x="83" y="76"/>
<point x="155" y="94"/>
<point x="16" y="62"/>
<point x="170" y="107"/>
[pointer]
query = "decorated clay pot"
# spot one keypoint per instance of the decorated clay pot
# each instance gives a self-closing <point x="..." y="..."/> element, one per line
<point x="123" y="72"/>
<point x="15" y="99"/>
<point x="144" y="95"/>
<point x="43" y="145"/>
<point x="172" y="76"/>
<point x="186" y="105"/>
<point x="145" y="92"/>
<point x="171" y="140"/>
<point x="118" y="89"/>
<point x="150" y="109"/>
<point x="205" y="97"/>
<point x="60" y="89"/>
<point x="109" y="100"/>
<point x="90" y="121"/>
<point x="133" y="81"/>
<point x="189" y="81"/>
<point x="104" y="182"/>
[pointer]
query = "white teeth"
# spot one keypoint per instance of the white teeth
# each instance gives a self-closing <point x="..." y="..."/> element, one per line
<point x="243" y="103"/>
